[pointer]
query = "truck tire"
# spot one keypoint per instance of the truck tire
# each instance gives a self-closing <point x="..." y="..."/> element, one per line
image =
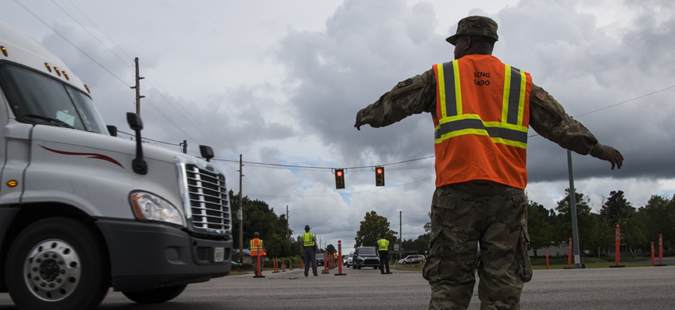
<point x="57" y="264"/>
<point x="155" y="296"/>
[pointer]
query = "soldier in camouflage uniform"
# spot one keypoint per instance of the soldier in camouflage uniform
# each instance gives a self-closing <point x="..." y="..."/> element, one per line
<point x="464" y="213"/>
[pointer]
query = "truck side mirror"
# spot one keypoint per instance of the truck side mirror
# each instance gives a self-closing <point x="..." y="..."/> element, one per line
<point x="138" y="164"/>
<point x="112" y="130"/>
<point x="206" y="151"/>
<point x="134" y="121"/>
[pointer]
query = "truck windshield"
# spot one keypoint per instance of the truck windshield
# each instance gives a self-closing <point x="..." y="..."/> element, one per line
<point x="39" y="99"/>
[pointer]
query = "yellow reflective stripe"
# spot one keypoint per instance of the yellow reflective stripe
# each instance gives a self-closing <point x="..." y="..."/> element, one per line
<point x="479" y="131"/>
<point x="510" y="142"/>
<point x="441" y="89"/>
<point x="458" y="87"/>
<point x="507" y="92"/>
<point x="521" y="102"/>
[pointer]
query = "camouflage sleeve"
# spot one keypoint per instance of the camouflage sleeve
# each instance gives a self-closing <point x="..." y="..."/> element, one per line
<point x="548" y="119"/>
<point x="412" y="96"/>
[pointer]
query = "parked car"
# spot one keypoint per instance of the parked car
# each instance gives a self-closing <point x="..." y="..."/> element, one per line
<point x="319" y="259"/>
<point x="349" y="259"/>
<point x="366" y="256"/>
<point x="413" y="259"/>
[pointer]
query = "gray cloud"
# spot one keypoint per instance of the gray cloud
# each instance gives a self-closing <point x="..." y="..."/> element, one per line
<point x="280" y="91"/>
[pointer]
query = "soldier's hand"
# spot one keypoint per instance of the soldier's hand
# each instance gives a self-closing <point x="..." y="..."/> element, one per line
<point x="359" y="121"/>
<point x="612" y="155"/>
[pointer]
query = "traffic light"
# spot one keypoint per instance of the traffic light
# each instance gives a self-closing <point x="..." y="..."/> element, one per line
<point x="339" y="178"/>
<point x="379" y="176"/>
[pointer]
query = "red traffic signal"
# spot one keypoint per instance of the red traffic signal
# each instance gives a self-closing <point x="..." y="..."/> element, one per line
<point x="339" y="178"/>
<point x="379" y="176"/>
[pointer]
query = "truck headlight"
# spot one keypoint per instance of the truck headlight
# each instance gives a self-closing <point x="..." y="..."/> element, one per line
<point x="150" y="207"/>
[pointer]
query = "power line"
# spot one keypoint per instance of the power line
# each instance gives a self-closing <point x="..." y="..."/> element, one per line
<point x="91" y="34"/>
<point x="342" y="193"/>
<point x="120" y="58"/>
<point x="620" y="103"/>
<point x="148" y="139"/>
<point x="629" y="100"/>
<point x="320" y="168"/>
<point x="69" y="42"/>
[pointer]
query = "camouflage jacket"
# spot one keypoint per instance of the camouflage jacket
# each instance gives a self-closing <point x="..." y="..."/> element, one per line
<point x="418" y="94"/>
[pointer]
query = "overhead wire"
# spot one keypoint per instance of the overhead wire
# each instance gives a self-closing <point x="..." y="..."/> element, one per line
<point x="127" y="64"/>
<point x="69" y="42"/>
<point x="268" y="165"/>
<point x="617" y="104"/>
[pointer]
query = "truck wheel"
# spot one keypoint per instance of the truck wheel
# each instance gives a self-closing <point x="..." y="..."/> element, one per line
<point x="156" y="295"/>
<point x="57" y="263"/>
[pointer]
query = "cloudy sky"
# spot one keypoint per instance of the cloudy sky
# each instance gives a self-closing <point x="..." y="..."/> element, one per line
<point x="280" y="82"/>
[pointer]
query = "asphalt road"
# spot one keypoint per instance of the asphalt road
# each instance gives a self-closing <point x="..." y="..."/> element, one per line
<point x="612" y="289"/>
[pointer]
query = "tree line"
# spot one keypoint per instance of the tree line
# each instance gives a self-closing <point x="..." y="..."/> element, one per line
<point x="553" y="227"/>
<point x="272" y="228"/>
<point x="546" y="227"/>
<point x="639" y="226"/>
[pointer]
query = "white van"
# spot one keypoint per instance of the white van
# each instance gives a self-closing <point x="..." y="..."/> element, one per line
<point x="82" y="210"/>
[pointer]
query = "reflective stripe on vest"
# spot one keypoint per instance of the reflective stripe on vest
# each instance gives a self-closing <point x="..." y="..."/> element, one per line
<point x="481" y="121"/>
<point x="383" y="245"/>
<point x="454" y="122"/>
<point x="308" y="239"/>
<point x="256" y="246"/>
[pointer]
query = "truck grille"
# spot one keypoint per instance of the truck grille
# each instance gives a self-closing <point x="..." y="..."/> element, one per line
<point x="208" y="200"/>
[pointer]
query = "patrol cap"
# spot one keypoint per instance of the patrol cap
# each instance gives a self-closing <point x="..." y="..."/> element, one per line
<point x="475" y="25"/>
<point x="306" y="227"/>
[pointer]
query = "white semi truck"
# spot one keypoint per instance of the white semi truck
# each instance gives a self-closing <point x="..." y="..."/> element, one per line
<point x="82" y="210"/>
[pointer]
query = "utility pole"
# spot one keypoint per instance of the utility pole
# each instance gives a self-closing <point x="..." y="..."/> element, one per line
<point x="287" y="223"/>
<point x="573" y="211"/>
<point x="241" y="219"/>
<point x="400" y="234"/>
<point x="138" y="89"/>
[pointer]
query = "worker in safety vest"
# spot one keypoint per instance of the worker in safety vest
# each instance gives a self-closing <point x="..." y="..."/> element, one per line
<point x="481" y="110"/>
<point x="383" y="250"/>
<point x="257" y="245"/>
<point x="335" y="258"/>
<point x="309" y="249"/>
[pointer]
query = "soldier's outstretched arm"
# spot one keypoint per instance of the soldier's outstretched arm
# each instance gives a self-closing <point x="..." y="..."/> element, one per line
<point x="412" y="96"/>
<point x="549" y="119"/>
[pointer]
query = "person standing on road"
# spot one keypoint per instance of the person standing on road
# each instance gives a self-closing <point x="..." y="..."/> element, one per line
<point x="383" y="251"/>
<point x="481" y="109"/>
<point x="309" y="249"/>
<point x="255" y="247"/>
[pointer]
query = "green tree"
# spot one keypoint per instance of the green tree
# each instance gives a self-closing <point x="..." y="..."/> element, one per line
<point x="586" y="221"/>
<point x="618" y="211"/>
<point x="331" y="248"/>
<point x="659" y="218"/>
<point x="370" y="229"/>
<point x="537" y="226"/>
<point x="259" y="217"/>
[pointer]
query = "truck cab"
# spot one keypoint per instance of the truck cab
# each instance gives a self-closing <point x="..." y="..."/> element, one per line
<point x="82" y="210"/>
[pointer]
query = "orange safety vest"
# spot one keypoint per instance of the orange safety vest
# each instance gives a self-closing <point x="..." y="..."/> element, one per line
<point x="481" y="122"/>
<point x="257" y="244"/>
